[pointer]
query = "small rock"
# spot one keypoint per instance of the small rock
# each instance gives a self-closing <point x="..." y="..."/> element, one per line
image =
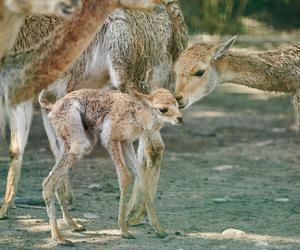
<point x="283" y="200"/>
<point x="93" y="186"/>
<point x="263" y="143"/>
<point x="279" y="130"/>
<point x="223" y="167"/>
<point x="233" y="232"/>
<point x="90" y="216"/>
<point x="220" y="200"/>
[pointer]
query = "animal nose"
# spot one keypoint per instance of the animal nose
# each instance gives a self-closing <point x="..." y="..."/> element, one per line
<point x="179" y="119"/>
<point x="182" y="103"/>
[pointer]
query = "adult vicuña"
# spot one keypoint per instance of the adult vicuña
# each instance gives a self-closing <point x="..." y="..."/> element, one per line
<point x="202" y="67"/>
<point x="26" y="73"/>
<point x="118" y="119"/>
<point x="133" y="50"/>
<point x="13" y="13"/>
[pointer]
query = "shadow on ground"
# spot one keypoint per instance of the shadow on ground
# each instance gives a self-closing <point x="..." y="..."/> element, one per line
<point x="238" y="168"/>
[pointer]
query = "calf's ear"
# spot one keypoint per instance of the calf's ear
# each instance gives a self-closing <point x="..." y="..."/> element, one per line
<point x="143" y="97"/>
<point x="221" y="50"/>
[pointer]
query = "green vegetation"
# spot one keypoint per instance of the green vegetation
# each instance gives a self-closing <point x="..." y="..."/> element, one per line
<point x="224" y="16"/>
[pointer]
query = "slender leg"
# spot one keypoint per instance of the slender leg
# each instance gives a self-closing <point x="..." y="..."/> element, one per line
<point x="61" y="197"/>
<point x="49" y="187"/>
<point x="74" y="146"/>
<point x="152" y="148"/>
<point x="124" y="177"/>
<point x="130" y="156"/>
<point x="296" y="103"/>
<point x="55" y="148"/>
<point x="20" y="120"/>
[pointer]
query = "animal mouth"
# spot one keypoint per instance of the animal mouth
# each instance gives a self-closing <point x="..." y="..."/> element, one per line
<point x="182" y="104"/>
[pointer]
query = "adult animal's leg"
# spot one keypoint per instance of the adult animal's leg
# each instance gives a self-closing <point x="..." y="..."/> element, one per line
<point x="20" y="119"/>
<point x="296" y="104"/>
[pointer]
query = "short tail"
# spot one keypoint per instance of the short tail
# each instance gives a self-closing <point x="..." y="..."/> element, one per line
<point x="47" y="99"/>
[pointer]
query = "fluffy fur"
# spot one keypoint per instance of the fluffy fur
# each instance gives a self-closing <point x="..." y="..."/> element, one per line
<point x="80" y="118"/>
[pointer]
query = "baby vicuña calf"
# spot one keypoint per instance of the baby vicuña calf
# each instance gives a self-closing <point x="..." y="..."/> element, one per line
<point x="118" y="119"/>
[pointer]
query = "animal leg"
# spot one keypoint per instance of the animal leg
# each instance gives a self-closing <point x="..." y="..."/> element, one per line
<point x="150" y="153"/>
<point x="130" y="156"/>
<point x="296" y="104"/>
<point x="75" y="145"/>
<point x="124" y="178"/>
<point x="61" y="197"/>
<point x="55" y="148"/>
<point x="50" y="185"/>
<point x="20" y="120"/>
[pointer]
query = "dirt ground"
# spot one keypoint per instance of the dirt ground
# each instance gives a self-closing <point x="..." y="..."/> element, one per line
<point x="237" y="168"/>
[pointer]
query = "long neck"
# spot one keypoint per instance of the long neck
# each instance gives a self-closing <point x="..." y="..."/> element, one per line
<point x="261" y="70"/>
<point x="36" y="69"/>
<point x="10" y="23"/>
<point x="179" y="39"/>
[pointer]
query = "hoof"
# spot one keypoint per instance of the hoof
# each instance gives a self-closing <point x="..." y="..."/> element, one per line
<point x="62" y="242"/>
<point x="162" y="234"/>
<point x="127" y="236"/>
<point x="80" y="228"/>
<point x="5" y="217"/>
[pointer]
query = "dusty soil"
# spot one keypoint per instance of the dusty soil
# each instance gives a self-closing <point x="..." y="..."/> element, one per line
<point x="237" y="168"/>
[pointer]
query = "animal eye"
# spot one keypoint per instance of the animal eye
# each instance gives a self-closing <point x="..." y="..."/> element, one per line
<point x="200" y="73"/>
<point x="164" y="110"/>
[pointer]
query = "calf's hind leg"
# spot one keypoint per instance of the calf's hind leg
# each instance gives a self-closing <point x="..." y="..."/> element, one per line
<point x="55" y="148"/>
<point x="61" y="197"/>
<point x="74" y="146"/>
<point x="49" y="187"/>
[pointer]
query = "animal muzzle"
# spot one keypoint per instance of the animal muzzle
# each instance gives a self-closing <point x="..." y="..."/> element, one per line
<point x="179" y="120"/>
<point x="182" y="103"/>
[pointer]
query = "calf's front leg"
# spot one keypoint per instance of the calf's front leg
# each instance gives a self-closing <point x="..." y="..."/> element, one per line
<point x="131" y="158"/>
<point x="150" y="153"/>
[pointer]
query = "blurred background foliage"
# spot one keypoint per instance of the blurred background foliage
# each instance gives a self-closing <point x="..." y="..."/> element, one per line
<point x="233" y="16"/>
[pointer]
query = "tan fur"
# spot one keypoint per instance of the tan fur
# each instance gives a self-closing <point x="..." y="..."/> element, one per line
<point x="118" y="119"/>
<point x="13" y="13"/>
<point x="277" y="70"/>
<point x="24" y="74"/>
<point x="143" y="55"/>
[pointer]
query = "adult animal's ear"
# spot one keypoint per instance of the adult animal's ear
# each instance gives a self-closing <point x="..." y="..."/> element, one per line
<point x="224" y="47"/>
